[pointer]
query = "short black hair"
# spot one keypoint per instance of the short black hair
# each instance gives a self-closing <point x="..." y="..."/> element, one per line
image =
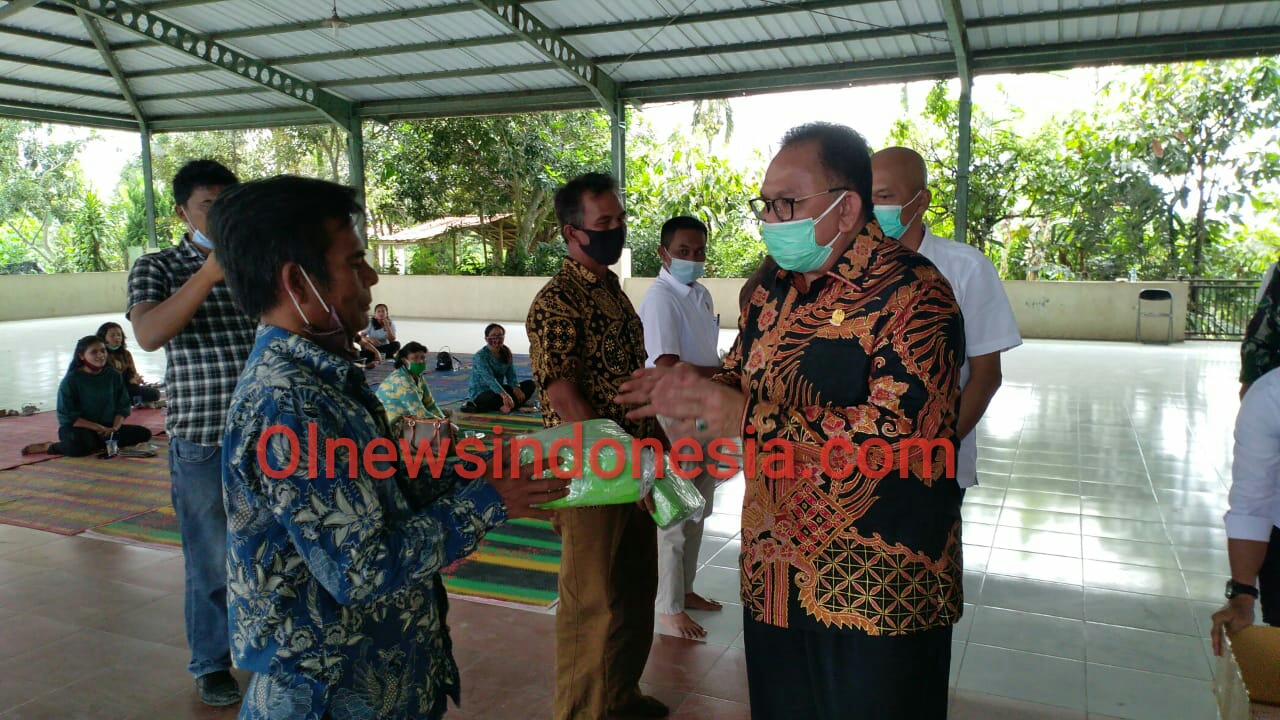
<point x="680" y="222"/>
<point x="200" y="173"/>
<point x="411" y="347"/>
<point x="569" y="197"/>
<point x="843" y="152"/>
<point x="258" y="226"/>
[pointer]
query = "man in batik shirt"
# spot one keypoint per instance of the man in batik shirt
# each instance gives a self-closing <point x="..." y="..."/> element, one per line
<point x="585" y="340"/>
<point x="851" y="576"/>
<point x="335" y="598"/>
<point x="1260" y="351"/>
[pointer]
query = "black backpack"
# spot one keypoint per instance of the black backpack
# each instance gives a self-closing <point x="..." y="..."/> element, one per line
<point x="444" y="361"/>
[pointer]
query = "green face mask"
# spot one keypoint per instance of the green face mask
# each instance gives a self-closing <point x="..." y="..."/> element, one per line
<point x="417" y="368"/>
<point x="793" y="244"/>
<point x="113" y="348"/>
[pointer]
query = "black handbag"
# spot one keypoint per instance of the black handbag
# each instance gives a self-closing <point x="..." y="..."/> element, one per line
<point x="444" y="361"/>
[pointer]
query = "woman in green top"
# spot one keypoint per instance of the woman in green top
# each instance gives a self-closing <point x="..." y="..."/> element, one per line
<point x="493" y="383"/>
<point x="92" y="406"/>
<point x="405" y="393"/>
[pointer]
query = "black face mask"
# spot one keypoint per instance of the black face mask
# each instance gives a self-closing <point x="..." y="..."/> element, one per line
<point x="606" y="245"/>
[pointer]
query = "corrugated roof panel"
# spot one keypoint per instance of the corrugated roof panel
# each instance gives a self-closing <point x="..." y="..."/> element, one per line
<point x="494" y="84"/>
<point x="69" y="101"/>
<point x="595" y="12"/>
<point x="205" y="105"/>
<point x="192" y="82"/>
<point x="153" y="57"/>
<point x="58" y="23"/>
<point x="32" y="73"/>
<point x="414" y="63"/>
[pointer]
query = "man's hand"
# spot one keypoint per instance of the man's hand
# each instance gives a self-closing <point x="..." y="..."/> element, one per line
<point x="518" y="394"/>
<point x="118" y="422"/>
<point x="522" y="492"/>
<point x="1236" y="615"/>
<point x="703" y="409"/>
<point x="212" y="270"/>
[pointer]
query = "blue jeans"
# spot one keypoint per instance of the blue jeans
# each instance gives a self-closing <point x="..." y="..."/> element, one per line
<point x="197" y="499"/>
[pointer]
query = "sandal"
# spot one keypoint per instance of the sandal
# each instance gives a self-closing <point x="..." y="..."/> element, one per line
<point x="36" y="448"/>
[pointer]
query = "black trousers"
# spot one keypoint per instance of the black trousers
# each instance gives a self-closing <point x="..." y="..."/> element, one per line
<point x="388" y="351"/>
<point x="78" y="441"/>
<point x="793" y="674"/>
<point x="1269" y="581"/>
<point x="148" y="394"/>
<point x="490" y="401"/>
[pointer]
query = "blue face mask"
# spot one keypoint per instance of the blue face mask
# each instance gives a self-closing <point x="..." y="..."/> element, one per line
<point x="794" y="245"/>
<point x="201" y="240"/>
<point x="890" y="218"/>
<point x="686" y="271"/>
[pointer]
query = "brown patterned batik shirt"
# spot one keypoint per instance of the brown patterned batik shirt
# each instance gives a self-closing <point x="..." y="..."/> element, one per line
<point x="583" y="328"/>
<point x="872" y="350"/>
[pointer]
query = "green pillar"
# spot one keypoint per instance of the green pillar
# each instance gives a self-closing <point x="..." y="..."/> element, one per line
<point x="148" y="187"/>
<point x="618" y="144"/>
<point x="355" y="178"/>
<point x="963" y="160"/>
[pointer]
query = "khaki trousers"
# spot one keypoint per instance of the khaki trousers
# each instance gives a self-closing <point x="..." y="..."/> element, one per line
<point x="604" y="622"/>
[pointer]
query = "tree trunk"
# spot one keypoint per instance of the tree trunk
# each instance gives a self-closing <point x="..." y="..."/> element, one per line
<point x="1198" y="229"/>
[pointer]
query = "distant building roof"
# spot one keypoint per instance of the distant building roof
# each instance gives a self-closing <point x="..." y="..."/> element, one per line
<point x="433" y="230"/>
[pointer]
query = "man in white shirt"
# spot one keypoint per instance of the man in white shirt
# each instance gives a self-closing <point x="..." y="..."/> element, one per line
<point x="901" y="196"/>
<point x="680" y="325"/>
<point x="1253" y="514"/>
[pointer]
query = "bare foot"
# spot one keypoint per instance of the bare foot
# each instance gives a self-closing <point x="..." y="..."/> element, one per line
<point x="36" y="448"/>
<point x="694" y="601"/>
<point x="681" y="625"/>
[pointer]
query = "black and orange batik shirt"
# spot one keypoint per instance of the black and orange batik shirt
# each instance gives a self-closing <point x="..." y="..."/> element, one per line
<point x="872" y="350"/>
<point x="583" y="328"/>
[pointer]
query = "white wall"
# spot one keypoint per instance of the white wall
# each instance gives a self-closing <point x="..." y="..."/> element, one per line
<point x="1061" y="310"/>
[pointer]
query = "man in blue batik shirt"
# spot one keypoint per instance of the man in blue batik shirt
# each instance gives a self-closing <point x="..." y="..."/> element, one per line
<point x="334" y="593"/>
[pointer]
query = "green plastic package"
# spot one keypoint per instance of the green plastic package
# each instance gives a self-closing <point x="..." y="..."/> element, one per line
<point x="570" y="444"/>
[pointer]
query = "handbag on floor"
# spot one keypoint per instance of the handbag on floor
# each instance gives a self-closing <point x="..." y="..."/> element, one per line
<point x="430" y="430"/>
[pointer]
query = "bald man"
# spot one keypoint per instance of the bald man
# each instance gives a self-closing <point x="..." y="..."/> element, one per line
<point x="899" y="189"/>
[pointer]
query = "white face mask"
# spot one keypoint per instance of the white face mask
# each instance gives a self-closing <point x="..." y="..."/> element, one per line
<point x="307" y="327"/>
<point x="200" y="238"/>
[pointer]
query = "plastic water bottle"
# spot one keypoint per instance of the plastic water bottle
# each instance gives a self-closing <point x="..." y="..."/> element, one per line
<point x="113" y="446"/>
<point x="1133" y="274"/>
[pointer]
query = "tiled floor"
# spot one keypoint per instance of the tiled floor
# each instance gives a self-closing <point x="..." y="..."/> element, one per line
<point x="1094" y="554"/>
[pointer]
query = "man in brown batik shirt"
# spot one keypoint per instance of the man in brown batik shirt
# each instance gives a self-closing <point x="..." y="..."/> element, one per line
<point x="585" y="340"/>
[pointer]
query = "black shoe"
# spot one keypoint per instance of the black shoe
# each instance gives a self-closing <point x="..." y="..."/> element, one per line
<point x="469" y="407"/>
<point x="218" y="689"/>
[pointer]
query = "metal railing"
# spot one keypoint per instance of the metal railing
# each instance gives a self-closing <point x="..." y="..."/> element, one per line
<point x="1220" y="309"/>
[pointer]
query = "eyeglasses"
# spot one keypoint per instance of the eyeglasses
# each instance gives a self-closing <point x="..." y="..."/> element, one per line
<point x="782" y="208"/>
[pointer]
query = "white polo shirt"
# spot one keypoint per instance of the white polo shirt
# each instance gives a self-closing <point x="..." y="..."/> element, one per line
<point x="679" y="320"/>
<point x="1254" y="501"/>
<point x="989" y="325"/>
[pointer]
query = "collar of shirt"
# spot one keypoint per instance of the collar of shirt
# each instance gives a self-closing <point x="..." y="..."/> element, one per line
<point x="580" y="271"/>
<point x="665" y="276"/>
<point x="328" y="366"/>
<point x="189" y="251"/>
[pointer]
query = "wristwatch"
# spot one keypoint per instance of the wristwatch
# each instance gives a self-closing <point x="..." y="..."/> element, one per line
<point x="1237" y="588"/>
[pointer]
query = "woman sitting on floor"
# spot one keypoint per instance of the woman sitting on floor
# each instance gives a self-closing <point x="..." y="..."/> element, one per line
<point x="92" y="406"/>
<point x="119" y="357"/>
<point x="493" y="383"/>
<point x="405" y="393"/>
<point x="379" y="339"/>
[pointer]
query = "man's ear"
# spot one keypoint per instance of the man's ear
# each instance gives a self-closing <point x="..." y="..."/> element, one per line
<point x="566" y="231"/>
<point x="851" y="210"/>
<point x="292" y="281"/>
<point x="180" y="212"/>
<point x="926" y="196"/>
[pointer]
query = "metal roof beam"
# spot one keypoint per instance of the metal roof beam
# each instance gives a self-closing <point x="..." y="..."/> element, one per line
<point x="1083" y="13"/>
<point x="1167" y="48"/>
<point x="575" y="98"/>
<point x="13" y="7"/>
<point x="50" y="87"/>
<point x="238" y="120"/>
<point x="757" y="45"/>
<point x="52" y="64"/>
<point x="139" y="20"/>
<point x="99" y="39"/>
<point x="904" y="69"/>
<point x="61" y="40"/>
<point x="55" y="114"/>
<point x="554" y="47"/>
<point x="776" y="8"/>
<point x="959" y="38"/>
<point x="303" y="25"/>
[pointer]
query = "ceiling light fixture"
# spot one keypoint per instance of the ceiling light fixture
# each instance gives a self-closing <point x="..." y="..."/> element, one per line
<point x="335" y="21"/>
